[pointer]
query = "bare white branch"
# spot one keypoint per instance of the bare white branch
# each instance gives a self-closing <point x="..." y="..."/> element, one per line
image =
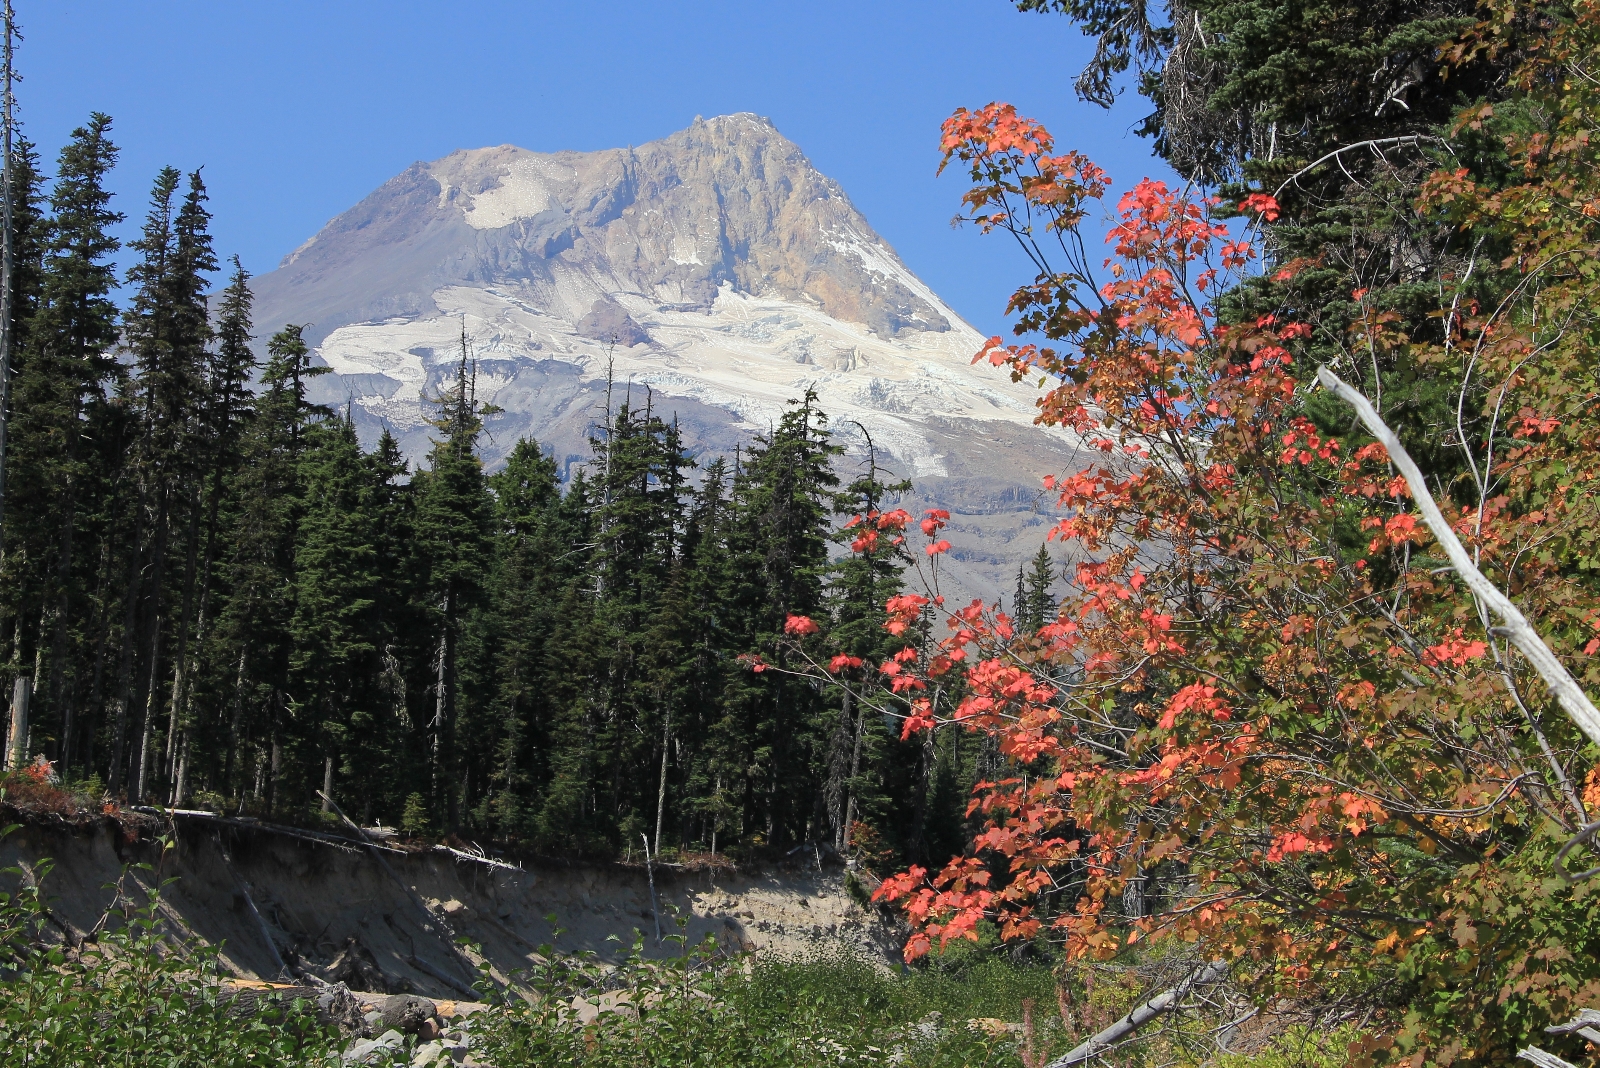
<point x="1142" y="1014"/>
<point x="1543" y="1059"/>
<point x="1516" y="626"/>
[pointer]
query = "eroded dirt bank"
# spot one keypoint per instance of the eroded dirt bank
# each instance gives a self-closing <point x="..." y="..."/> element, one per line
<point x="335" y="911"/>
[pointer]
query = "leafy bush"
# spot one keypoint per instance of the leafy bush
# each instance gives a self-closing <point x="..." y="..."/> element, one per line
<point x="704" y="1008"/>
<point x="129" y="996"/>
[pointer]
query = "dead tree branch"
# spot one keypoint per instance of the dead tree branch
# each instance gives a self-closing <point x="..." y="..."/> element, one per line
<point x="1142" y="1014"/>
<point x="1516" y="626"/>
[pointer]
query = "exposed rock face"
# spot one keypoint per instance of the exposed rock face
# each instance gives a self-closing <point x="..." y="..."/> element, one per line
<point x="715" y="267"/>
<point x="727" y="201"/>
<point x="608" y="321"/>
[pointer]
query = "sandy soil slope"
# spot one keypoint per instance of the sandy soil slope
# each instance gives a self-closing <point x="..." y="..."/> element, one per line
<point x="328" y="907"/>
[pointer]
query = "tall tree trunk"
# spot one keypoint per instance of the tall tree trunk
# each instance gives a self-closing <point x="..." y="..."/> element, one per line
<point x="59" y="639"/>
<point x="441" y="700"/>
<point x="203" y="617"/>
<point x="661" y="790"/>
<point x="445" y="711"/>
<point x="151" y="698"/>
<point x="180" y="660"/>
<point x="68" y="504"/>
<point x="231" y="760"/>
<point x="100" y="623"/>
<point x="181" y="784"/>
<point x="838" y="761"/>
<point x="158" y="560"/>
<point x="855" y="770"/>
<point x="277" y="767"/>
<point x="919" y="820"/>
<point x="130" y="610"/>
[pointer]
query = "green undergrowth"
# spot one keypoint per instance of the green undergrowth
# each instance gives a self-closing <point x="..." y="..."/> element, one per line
<point x="128" y="995"/>
<point x="826" y="1009"/>
<point x="134" y="995"/>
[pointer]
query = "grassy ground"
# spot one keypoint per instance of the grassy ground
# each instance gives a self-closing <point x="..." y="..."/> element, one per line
<point x="138" y="997"/>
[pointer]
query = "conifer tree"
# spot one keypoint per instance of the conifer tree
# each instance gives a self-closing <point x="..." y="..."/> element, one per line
<point x="166" y="331"/>
<point x="224" y="414"/>
<point x="779" y="542"/>
<point x="689" y="662"/>
<point x="386" y="742"/>
<point x="66" y="327"/>
<point x="860" y="584"/>
<point x="569" y="816"/>
<point x="638" y="523"/>
<point x="529" y="582"/>
<point x="1038" y="605"/>
<point x="454" y="516"/>
<point x="334" y="667"/>
<point x="261" y="573"/>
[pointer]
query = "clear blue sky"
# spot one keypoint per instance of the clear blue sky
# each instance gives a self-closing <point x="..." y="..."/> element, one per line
<point x="297" y="110"/>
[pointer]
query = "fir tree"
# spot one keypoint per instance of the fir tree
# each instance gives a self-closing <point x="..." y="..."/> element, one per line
<point x="334" y="667"/>
<point x="1038" y="605"/>
<point x="224" y="415"/>
<point x="779" y="544"/>
<point x="260" y="580"/>
<point x="454" y="516"/>
<point x="66" y="326"/>
<point x="860" y="584"/>
<point x="166" y="333"/>
<point x="529" y="582"/>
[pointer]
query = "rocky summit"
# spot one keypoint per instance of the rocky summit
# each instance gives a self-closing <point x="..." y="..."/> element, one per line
<point x="714" y="271"/>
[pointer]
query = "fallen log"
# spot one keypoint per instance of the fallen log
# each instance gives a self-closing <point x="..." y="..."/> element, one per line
<point x="440" y="974"/>
<point x="1142" y="1014"/>
<point x="317" y="837"/>
<point x="462" y="854"/>
<point x="1586" y="1024"/>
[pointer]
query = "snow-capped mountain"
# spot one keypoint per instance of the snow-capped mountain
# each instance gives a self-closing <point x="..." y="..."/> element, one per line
<point x="716" y="268"/>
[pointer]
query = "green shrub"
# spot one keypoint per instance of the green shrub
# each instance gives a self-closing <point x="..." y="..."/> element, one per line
<point x="706" y="1009"/>
<point x="414" y="819"/>
<point x="130" y="997"/>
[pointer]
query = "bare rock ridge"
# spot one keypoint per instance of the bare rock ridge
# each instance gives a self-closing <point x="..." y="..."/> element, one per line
<point x="715" y="267"/>
<point x="727" y="201"/>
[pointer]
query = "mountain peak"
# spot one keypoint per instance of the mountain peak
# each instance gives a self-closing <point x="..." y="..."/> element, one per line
<point x="726" y="201"/>
<point x="716" y="267"/>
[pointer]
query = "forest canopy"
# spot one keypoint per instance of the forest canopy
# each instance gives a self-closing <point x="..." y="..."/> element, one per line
<point x="221" y="598"/>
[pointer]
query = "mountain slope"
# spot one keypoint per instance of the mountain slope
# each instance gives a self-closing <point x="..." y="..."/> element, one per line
<point x="716" y="269"/>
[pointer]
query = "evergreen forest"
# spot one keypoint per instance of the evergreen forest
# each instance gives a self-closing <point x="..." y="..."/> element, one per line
<point x="220" y="597"/>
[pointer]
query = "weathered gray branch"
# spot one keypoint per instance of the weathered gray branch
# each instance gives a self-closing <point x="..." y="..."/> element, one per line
<point x="1163" y="1002"/>
<point x="1516" y="626"/>
<point x="461" y="854"/>
<point x="1407" y="139"/>
<point x="1583" y="1024"/>
<point x="1543" y="1059"/>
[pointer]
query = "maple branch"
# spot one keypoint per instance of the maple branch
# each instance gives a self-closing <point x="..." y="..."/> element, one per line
<point x="1517" y="628"/>
<point x="1142" y="1014"/>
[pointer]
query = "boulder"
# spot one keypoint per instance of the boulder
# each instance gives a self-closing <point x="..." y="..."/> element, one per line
<point x="408" y="1013"/>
